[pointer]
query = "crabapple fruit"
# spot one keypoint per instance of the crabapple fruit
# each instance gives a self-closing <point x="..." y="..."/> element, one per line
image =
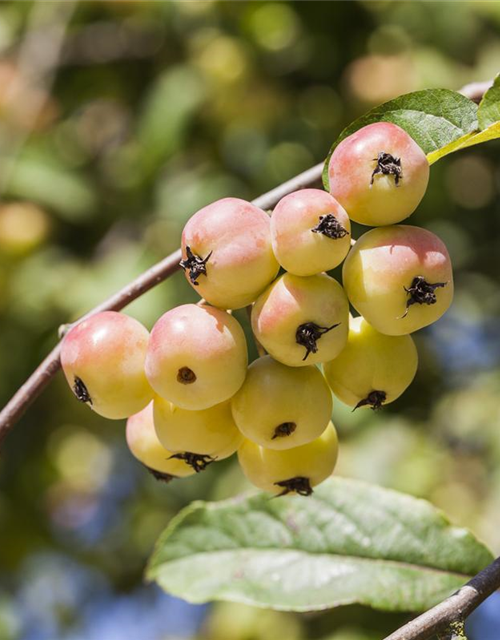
<point x="197" y="356"/>
<point x="103" y="360"/>
<point x="379" y="174"/>
<point x="280" y="407"/>
<point x="310" y="232"/>
<point x="399" y="278"/>
<point x="295" y="470"/>
<point x="198" y="437"/>
<point x="145" y="446"/>
<point x="227" y="253"/>
<point x="373" y="369"/>
<point x="302" y="320"/>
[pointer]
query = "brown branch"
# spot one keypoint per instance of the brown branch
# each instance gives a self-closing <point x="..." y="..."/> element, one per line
<point x="40" y="378"/>
<point x="454" y="609"/>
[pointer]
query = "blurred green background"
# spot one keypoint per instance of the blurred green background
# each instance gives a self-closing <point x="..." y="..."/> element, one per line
<point x="118" y="120"/>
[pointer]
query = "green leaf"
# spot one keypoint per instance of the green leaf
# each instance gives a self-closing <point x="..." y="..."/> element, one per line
<point x="434" y="118"/>
<point x="349" y="542"/>
<point x="469" y="140"/>
<point x="488" y="112"/>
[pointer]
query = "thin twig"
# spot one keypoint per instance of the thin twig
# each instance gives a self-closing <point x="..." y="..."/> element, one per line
<point x="454" y="609"/>
<point x="37" y="382"/>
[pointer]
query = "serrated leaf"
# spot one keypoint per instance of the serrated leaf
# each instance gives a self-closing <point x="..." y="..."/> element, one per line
<point x="434" y="118"/>
<point x="349" y="542"/>
<point x="488" y="112"/>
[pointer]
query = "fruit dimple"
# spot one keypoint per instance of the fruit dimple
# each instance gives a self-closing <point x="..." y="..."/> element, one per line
<point x="186" y="375"/>
<point x="284" y="429"/>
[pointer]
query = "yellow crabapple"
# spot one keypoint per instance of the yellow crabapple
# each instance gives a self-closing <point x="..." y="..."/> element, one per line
<point x="280" y="407"/>
<point x="399" y="278"/>
<point x="197" y="356"/>
<point x="302" y="320"/>
<point x="379" y="174"/>
<point x="146" y="447"/>
<point x="227" y="253"/>
<point x="103" y="360"/>
<point x="198" y="437"/>
<point x="374" y="369"/>
<point x="310" y="232"/>
<point x="295" y="470"/>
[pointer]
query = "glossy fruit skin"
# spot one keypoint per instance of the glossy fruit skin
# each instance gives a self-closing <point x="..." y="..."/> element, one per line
<point x="299" y="249"/>
<point x="273" y="395"/>
<point x="201" y="339"/>
<point x="107" y="353"/>
<point x="210" y="432"/>
<point x="236" y="235"/>
<point x="370" y="362"/>
<point x="386" y="200"/>
<point x="386" y="260"/>
<point x="315" y="460"/>
<point x="146" y="447"/>
<point x="291" y="301"/>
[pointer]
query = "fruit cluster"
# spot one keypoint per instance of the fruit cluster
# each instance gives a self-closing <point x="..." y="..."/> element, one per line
<point x="187" y="390"/>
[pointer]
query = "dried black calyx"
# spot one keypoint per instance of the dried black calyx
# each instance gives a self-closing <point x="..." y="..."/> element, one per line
<point x="196" y="265"/>
<point x="284" y="429"/>
<point x="308" y="335"/>
<point x="160" y="476"/>
<point x="329" y="226"/>
<point x="421" y="292"/>
<point x="198" y="461"/>
<point x="185" y="375"/>
<point x="299" y="485"/>
<point x="81" y="391"/>
<point x="388" y="165"/>
<point x="375" y="400"/>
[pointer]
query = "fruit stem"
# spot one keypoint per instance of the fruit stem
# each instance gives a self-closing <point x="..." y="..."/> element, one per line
<point x="196" y="265"/>
<point x="308" y="334"/>
<point x="330" y="227"/>
<point x="81" y="391"/>
<point x="421" y="292"/>
<point x="300" y="485"/>
<point x="375" y="400"/>
<point x="198" y="461"/>
<point x="159" y="475"/>
<point x="387" y="164"/>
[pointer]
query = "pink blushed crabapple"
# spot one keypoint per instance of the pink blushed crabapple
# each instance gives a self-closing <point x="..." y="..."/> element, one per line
<point x="295" y="470"/>
<point x="373" y="369"/>
<point x="399" y="278"/>
<point x="103" y="360"/>
<point x="197" y="356"/>
<point x="197" y="437"/>
<point x="146" y="447"/>
<point x="280" y="407"/>
<point x="379" y="174"/>
<point x="310" y="232"/>
<point x="302" y="320"/>
<point x="227" y="253"/>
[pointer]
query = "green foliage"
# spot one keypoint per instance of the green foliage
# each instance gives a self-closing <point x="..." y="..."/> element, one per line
<point x="488" y="113"/>
<point x="350" y="542"/>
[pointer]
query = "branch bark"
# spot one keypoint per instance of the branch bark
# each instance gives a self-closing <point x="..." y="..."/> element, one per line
<point x="454" y="609"/>
<point x="41" y="377"/>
